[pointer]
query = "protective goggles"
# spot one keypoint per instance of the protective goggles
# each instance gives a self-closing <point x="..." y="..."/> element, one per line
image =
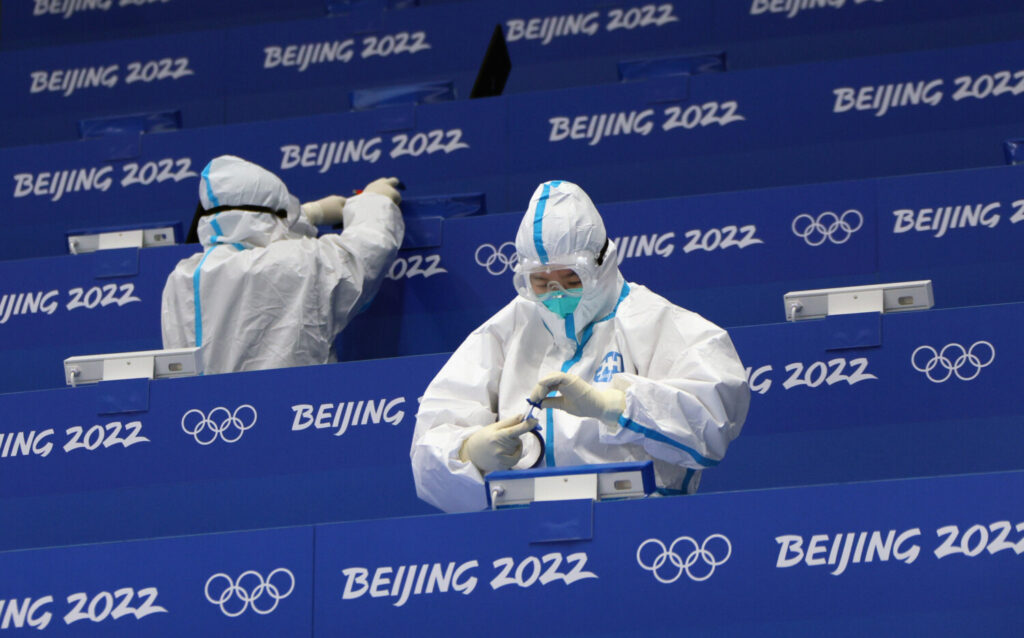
<point x="570" y="277"/>
<point x="193" y="231"/>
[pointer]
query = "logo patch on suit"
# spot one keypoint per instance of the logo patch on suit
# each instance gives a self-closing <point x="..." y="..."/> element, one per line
<point x="611" y="364"/>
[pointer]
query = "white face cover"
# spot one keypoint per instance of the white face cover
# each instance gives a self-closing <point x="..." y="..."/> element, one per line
<point x="266" y="210"/>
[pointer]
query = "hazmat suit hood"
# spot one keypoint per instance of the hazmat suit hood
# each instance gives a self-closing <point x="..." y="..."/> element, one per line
<point x="562" y="226"/>
<point x="265" y="212"/>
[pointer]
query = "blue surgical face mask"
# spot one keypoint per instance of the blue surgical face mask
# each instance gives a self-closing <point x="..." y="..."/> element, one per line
<point x="561" y="304"/>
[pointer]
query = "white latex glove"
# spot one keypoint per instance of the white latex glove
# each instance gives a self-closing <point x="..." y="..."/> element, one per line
<point x="579" y="397"/>
<point x="385" y="186"/>
<point x="497" y="446"/>
<point x="324" y="211"/>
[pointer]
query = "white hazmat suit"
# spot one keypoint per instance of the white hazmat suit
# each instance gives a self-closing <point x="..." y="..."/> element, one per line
<point x="266" y="293"/>
<point x="685" y="390"/>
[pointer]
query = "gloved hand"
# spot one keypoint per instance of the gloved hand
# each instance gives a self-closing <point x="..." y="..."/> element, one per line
<point x="324" y="211"/>
<point x="497" y="446"/>
<point x="385" y="186"/>
<point x="579" y="397"/>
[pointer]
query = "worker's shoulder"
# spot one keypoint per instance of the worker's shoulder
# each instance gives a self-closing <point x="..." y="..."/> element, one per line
<point x="641" y="300"/>
<point x="187" y="265"/>
<point x="642" y="306"/>
<point x="512" y="316"/>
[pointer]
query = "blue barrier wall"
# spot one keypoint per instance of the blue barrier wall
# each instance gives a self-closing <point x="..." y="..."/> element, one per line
<point x="139" y="458"/>
<point x="246" y="73"/>
<point x="854" y="398"/>
<point x="158" y="587"/>
<point x="554" y="45"/>
<point x="301" y="67"/>
<point x="450" y="148"/>
<point x="840" y="400"/>
<point x="769" y="567"/>
<point x="846" y="399"/>
<point x="57" y="307"/>
<point x="938" y="556"/>
<point x="44" y="22"/>
<point x="534" y="28"/>
<point x="709" y="133"/>
<point x="773" y="127"/>
<point x="50" y="90"/>
<point x="728" y="256"/>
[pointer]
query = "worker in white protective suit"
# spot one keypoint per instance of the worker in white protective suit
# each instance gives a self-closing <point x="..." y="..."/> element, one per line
<point x="620" y="373"/>
<point x="266" y="292"/>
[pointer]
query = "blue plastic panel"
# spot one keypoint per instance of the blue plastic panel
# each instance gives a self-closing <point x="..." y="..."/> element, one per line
<point x="712" y="132"/>
<point x="728" y="256"/>
<point x="558" y="44"/>
<point x="536" y="27"/>
<point x="435" y="149"/>
<point x="245" y="73"/>
<point x="930" y="399"/>
<point x="813" y="26"/>
<point x="463" y="146"/>
<point x="43" y="22"/>
<point x="934" y="555"/>
<point x="312" y="66"/>
<point x="331" y="442"/>
<point x="135" y="459"/>
<point x="57" y="307"/>
<point x="868" y="559"/>
<point x="51" y="89"/>
<point x="657" y="138"/>
<point x="248" y="583"/>
<point x="965" y="238"/>
<point x="772" y="127"/>
<point x="299" y="67"/>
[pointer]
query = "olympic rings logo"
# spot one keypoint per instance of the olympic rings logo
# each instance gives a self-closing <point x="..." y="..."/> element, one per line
<point x="256" y="592"/>
<point x="497" y="260"/>
<point x="828" y="226"/>
<point x="940" y="365"/>
<point x="228" y="426"/>
<point x="671" y="557"/>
